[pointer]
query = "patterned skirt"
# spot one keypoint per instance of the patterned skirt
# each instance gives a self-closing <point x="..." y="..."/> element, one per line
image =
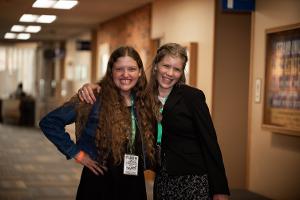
<point x="184" y="187"/>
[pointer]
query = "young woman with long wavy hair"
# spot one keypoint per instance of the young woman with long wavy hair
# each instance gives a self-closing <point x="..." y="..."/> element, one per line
<point x="114" y="136"/>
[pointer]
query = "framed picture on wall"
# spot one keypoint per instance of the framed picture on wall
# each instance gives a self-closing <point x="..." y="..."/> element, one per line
<point x="281" y="109"/>
<point x="191" y="66"/>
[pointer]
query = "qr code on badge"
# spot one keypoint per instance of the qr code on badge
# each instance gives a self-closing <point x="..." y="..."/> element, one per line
<point x="130" y="164"/>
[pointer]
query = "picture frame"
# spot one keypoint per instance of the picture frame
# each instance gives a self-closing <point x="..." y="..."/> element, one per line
<point x="281" y="105"/>
<point x="191" y="65"/>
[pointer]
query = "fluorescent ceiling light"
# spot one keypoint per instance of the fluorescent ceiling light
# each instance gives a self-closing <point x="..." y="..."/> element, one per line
<point x="29" y="29"/>
<point x="17" y="28"/>
<point x="28" y="18"/>
<point x="10" y="35"/>
<point x="23" y="36"/>
<point x="58" y="4"/>
<point x="46" y="19"/>
<point x="43" y="3"/>
<point x="65" y="4"/>
<point x="33" y="29"/>
<point x="37" y="18"/>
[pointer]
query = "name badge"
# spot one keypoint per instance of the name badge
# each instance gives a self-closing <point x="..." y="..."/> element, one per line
<point x="131" y="164"/>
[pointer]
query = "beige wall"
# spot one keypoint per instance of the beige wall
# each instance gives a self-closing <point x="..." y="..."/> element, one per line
<point x="188" y="21"/>
<point x="274" y="158"/>
<point x="230" y="92"/>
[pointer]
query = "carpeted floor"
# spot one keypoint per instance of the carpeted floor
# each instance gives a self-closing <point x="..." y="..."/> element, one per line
<point x="31" y="168"/>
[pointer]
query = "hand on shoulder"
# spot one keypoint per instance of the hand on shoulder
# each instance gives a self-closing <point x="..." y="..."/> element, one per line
<point x="86" y="94"/>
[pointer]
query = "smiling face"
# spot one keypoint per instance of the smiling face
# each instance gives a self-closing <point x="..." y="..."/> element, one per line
<point x="125" y="74"/>
<point x="169" y="71"/>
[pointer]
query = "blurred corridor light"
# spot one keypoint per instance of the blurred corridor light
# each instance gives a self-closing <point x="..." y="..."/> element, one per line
<point x="10" y="35"/>
<point x="23" y="36"/>
<point x="33" y="29"/>
<point x="37" y="18"/>
<point x="28" y="18"/>
<point x="46" y="19"/>
<point x="65" y="4"/>
<point x="57" y="4"/>
<point x="28" y="29"/>
<point x="17" y="28"/>
<point x="44" y="3"/>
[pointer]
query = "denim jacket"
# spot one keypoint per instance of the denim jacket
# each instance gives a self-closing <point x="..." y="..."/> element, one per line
<point x="53" y="126"/>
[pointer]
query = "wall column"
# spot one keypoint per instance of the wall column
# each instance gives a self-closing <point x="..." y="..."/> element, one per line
<point x="94" y="55"/>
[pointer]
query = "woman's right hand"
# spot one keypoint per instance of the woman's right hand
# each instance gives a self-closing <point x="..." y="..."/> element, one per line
<point x="84" y="159"/>
<point x="86" y="93"/>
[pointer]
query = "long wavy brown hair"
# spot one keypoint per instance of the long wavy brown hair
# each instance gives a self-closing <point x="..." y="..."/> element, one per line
<point x="174" y="50"/>
<point x="114" y="127"/>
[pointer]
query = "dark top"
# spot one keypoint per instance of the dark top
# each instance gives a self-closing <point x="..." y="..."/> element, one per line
<point x="189" y="141"/>
<point x="113" y="184"/>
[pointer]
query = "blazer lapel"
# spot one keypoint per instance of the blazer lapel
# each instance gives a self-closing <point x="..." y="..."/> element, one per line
<point x="174" y="97"/>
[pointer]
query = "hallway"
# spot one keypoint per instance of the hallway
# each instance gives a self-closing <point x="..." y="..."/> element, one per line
<point x="31" y="168"/>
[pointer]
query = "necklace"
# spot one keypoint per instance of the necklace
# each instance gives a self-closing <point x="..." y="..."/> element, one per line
<point x="162" y="99"/>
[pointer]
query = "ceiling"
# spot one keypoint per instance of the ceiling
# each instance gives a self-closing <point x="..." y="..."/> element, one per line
<point x="84" y="16"/>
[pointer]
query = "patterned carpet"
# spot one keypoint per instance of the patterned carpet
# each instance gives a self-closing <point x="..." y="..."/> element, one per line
<point x="31" y="168"/>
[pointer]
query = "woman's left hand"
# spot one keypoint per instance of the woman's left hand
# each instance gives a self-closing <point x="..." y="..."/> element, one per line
<point x="86" y="94"/>
<point x="220" y="197"/>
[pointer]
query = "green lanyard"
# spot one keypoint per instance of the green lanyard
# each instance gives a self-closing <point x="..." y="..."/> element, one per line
<point x="159" y="129"/>
<point x="133" y="125"/>
<point x="159" y="126"/>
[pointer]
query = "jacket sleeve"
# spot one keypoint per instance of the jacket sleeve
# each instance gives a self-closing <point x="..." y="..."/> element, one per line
<point x="211" y="150"/>
<point x="53" y="126"/>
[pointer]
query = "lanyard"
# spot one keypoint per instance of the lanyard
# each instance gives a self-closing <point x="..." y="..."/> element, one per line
<point x="159" y="129"/>
<point x="133" y="125"/>
<point x="159" y="126"/>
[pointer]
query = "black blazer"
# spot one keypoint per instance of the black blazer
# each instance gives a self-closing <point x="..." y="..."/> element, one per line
<point x="189" y="140"/>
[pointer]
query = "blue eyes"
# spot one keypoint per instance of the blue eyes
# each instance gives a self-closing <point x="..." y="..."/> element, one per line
<point x="170" y="67"/>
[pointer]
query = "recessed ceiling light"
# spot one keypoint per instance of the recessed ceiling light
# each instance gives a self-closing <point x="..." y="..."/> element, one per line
<point x="46" y="19"/>
<point x="17" y="28"/>
<point x="43" y="3"/>
<point x="28" y="18"/>
<point x="10" y="35"/>
<point x="32" y="29"/>
<point x="23" y="36"/>
<point x="65" y="4"/>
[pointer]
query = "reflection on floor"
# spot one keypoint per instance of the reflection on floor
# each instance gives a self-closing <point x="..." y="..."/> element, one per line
<point x="32" y="169"/>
